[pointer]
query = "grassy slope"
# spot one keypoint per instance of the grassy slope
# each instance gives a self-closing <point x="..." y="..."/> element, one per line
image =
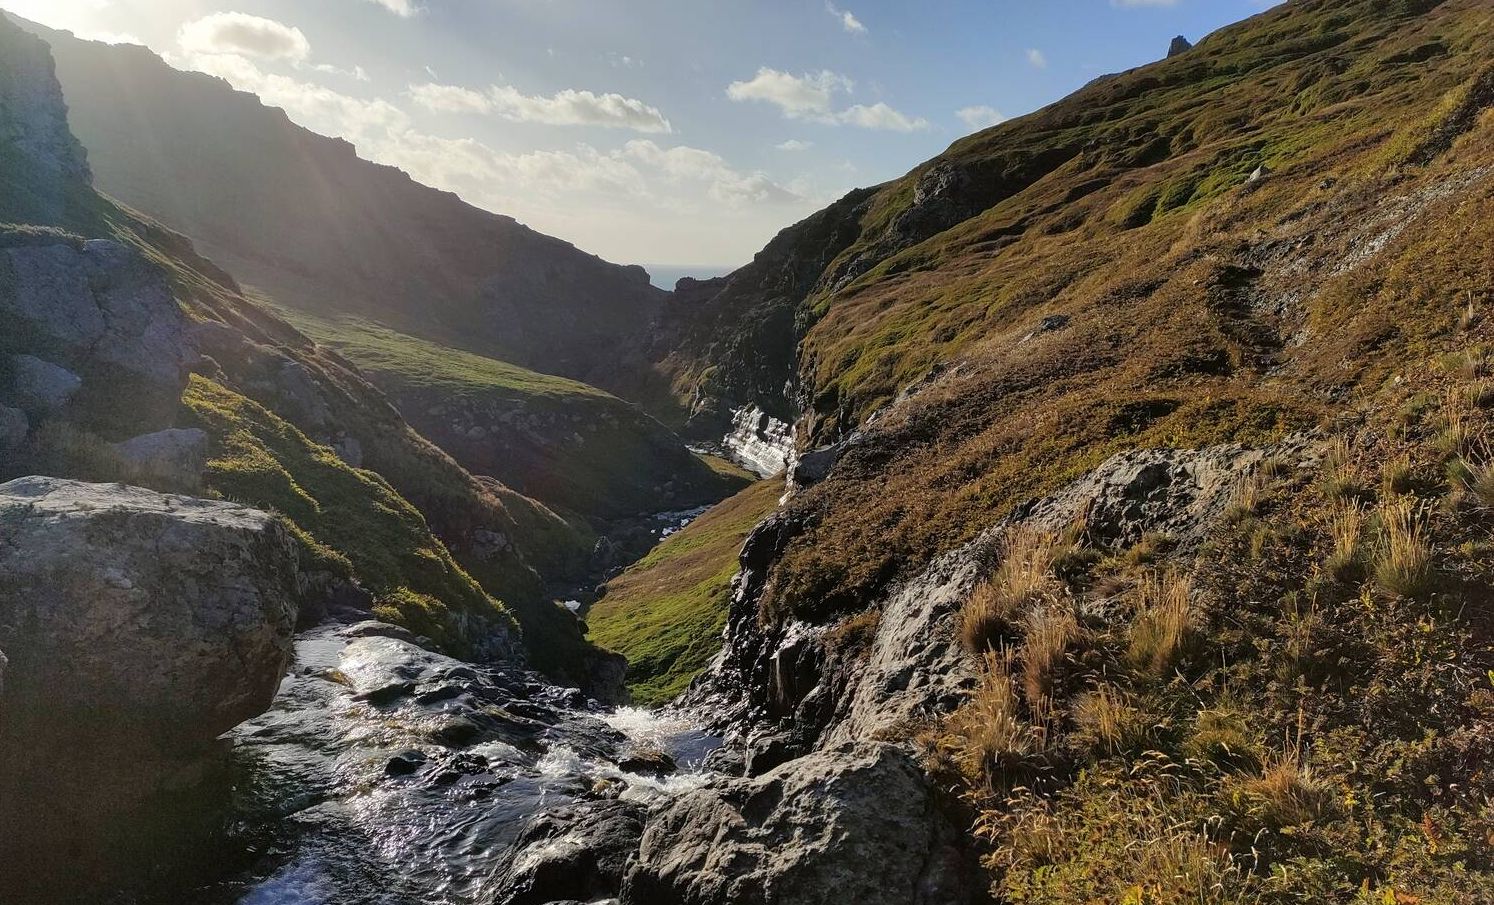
<point x="577" y="448"/>
<point x="666" y="613"/>
<point x="1167" y="344"/>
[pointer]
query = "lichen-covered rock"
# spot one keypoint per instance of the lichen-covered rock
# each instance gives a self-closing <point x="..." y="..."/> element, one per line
<point x="137" y="628"/>
<point x="859" y="823"/>
<point x="125" y="607"/>
<point x="103" y="312"/>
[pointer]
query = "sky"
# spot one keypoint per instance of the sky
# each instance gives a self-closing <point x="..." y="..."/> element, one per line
<point x="663" y="132"/>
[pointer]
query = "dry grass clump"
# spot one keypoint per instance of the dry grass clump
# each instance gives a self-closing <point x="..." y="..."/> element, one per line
<point x="1222" y="735"/>
<point x="1247" y="500"/>
<point x="1346" y="528"/>
<point x="1108" y="720"/>
<point x="1340" y="478"/>
<point x="1164" y="624"/>
<point x="1047" y="633"/>
<point x="990" y="740"/>
<point x="1459" y="431"/>
<point x="1286" y="794"/>
<point x="1397" y="476"/>
<point x="1403" y="564"/>
<point x="1022" y="582"/>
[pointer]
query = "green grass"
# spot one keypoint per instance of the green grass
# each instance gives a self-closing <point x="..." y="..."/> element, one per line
<point x="666" y="613"/>
<point x="260" y="460"/>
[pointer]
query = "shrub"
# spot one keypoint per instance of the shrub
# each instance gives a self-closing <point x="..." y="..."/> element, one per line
<point x="1164" y="623"/>
<point x="1023" y="581"/>
<point x="1403" y="565"/>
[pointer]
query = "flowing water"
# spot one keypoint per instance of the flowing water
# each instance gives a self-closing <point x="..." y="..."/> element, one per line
<point x="385" y="774"/>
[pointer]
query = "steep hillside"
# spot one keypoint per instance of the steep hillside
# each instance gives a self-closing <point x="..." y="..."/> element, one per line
<point x="130" y="357"/>
<point x="303" y="218"/>
<point x="1150" y="487"/>
<point x="666" y="612"/>
<point x="580" y="450"/>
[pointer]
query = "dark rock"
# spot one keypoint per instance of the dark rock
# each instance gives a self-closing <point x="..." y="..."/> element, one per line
<point x="14" y="427"/>
<point x="577" y="853"/>
<point x="1180" y="45"/>
<point x="457" y="733"/>
<point x="860" y="823"/>
<point x="648" y="763"/>
<point x="406" y="763"/>
<point x="175" y="458"/>
<point x="39" y="387"/>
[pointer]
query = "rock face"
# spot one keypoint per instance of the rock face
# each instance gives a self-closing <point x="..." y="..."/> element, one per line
<point x="36" y="117"/>
<point x="859" y="823"/>
<point x="97" y="327"/>
<point x="1179" y="45"/>
<point x="137" y="627"/>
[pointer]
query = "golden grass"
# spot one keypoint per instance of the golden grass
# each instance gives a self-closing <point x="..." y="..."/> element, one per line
<point x="1403" y="563"/>
<point x="1108" y="720"/>
<point x="1047" y="633"/>
<point x="1340" y="476"/>
<point x="1346" y="528"/>
<point x="1164" y="623"/>
<point x="989" y="738"/>
<point x="1287" y="794"/>
<point x="1023" y="581"/>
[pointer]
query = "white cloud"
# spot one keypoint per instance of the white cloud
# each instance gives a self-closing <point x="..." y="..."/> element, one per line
<point x="244" y="35"/>
<point x="404" y="8"/>
<point x="450" y="99"/>
<point x="980" y="117"/>
<point x="564" y="108"/>
<point x="812" y="97"/>
<point x="794" y="144"/>
<point x="848" y="20"/>
<point x="798" y="96"/>
<point x="881" y="116"/>
<point x="1037" y="58"/>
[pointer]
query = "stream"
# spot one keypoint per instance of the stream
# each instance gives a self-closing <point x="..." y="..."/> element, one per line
<point x="387" y="774"/>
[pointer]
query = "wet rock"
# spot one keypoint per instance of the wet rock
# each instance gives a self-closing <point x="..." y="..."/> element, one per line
<point x="174" y="458"/>
<point x="648" y="762"/>
<point x="406" y="763"/>
<point x="578" y="853"/>
<point x="139" y="628"/>
<point x="860" y="823"/>
<point x="14" y="426"/>
<point x="39" y="387"/>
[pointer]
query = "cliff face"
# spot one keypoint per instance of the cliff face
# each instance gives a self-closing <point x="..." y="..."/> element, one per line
<point x="303" y="218"/>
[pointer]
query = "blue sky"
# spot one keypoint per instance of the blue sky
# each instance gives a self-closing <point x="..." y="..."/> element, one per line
<point x="651" y="131"/>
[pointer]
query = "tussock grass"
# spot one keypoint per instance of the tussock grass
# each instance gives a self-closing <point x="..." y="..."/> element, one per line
<point x="1340" y="475"/>
<point x="1346" y="528"/>
<point x="1286" y="794"/>
<point x="1403" y="563"/>
<point x="1108" y="720"/>
<point x="1397" y="476"/>
<point x="1164" y="624"/>
<point x="1023" y="582"/>
<point x="1047" y="633"/>
<point x="990" y="738"/>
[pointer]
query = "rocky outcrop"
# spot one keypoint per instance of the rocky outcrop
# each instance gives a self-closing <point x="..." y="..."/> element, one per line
<point x="35" y="120"/>
<point x="136" y="627"/>
<point x="95" y="327"/>
<point x="859" y="823"/>
<point x="759" y="442"/>
<point x="1180" y="45"/>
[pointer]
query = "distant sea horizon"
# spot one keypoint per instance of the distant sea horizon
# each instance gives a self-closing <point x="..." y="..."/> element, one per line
<point x="666" y="275"/>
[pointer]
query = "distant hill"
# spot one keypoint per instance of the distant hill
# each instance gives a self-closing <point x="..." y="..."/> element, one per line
<point x="302" y="217"/>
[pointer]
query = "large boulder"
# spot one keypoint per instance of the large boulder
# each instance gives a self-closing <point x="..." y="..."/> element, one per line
<point x="176" y="457"/>
<point x="859" y="823"/>
<point x="137" y="627"/>
<point x="103" y="312"/>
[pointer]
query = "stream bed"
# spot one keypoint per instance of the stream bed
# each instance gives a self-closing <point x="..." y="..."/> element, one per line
<point x="387" y="774"/>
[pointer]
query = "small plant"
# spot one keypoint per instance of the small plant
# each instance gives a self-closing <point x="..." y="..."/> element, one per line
<point x="1403" y="565"/>
<point x="1024" y="581"/>
<point x="1345" y="563"/>
<point x="1151" y="548"/>
<point x="1108" y="720"/>
<point x="1222" y="736"/>
<point x="1459" y="431"/>
<point x="1286" y="794"/>
<point x="1397" y="476"/>
<point x="1470" y="317"/>
<point x="1340" y="477"/>
<point x="1164" y="623"/>
<point x="1475" y="474"/>
<point x="989" y="739"/>
<point x="1247" y="501"/>
<point x="1047" y="633"/>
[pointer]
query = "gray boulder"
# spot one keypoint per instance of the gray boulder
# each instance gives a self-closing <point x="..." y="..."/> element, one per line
<point x="575" y="853"/>
<point x="174" y="458"/>
<point x="859" y="823"/>
<point x="40" y="387"/>
<point x="101" y="310"/>
<point x="152" y="612"/>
